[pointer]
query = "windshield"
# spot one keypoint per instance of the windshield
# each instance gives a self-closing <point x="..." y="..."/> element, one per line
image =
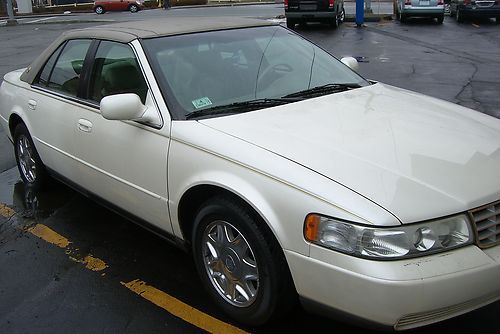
<point x="213" y="69"/>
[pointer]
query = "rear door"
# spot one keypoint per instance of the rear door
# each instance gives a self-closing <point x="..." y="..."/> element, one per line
<point x="53" y="105"/>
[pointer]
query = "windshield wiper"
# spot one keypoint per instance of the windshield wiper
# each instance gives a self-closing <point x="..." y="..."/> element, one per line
<point x="324" y="89"/>
<point x="240" y="107"/>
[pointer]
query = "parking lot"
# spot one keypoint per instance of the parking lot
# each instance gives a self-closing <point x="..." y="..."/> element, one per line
<point x="69" y="265"/>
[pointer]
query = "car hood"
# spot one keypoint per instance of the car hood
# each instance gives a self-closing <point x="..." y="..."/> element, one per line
<point x="416" y="156"/>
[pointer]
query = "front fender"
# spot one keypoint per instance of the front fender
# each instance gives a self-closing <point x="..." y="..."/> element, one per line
<point x="278" y="189"/>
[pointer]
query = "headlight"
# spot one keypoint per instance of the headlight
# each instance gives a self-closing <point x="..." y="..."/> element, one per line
<point x="389" y="242"/>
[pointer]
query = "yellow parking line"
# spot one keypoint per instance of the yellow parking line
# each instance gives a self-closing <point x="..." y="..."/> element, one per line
<point x="180" y="309"/>
<point x="148" y="292"/>
<point x="5" y="211"/>
<point x="49" y="235"/>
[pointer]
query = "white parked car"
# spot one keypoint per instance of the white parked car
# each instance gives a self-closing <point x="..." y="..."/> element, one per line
<point x="283" y="171"/>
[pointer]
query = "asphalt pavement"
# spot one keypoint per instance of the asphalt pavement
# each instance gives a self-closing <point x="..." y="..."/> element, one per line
<point x="69" y="265"/>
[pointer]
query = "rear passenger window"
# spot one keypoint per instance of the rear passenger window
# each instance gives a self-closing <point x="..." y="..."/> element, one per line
<point x="47" y="69"/>
<point x="64" y="76"/>
<point x="116" y="71"/>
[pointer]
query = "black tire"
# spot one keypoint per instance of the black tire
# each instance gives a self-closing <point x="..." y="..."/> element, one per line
<point x="497" y="19"/>
<point x="440" y="19"/>
<point x="28" y="161"/>
<point x="273" y="293"/>
<point x="401" y="17"/>
<point x="334" y="23"/>
<point x="133" y="8"/>
<point x="459" y="16"/>
<point x="290" y="23"/>
<point x="99" y="10"/>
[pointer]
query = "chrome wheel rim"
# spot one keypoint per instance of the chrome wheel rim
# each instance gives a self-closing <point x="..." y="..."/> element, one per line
<point x="26" y="159"/>
<point x="342" y="15"/>
<point x="98" y="10"/>
<point x="230" y="263"/>
<point x="133" y="8"/>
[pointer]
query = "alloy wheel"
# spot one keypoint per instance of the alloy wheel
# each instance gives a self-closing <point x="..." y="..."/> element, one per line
<point x="26" y="158"/>
<point x="230" y="263"/>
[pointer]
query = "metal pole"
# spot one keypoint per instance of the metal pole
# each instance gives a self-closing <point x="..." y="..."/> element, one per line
<point x="360" y="13"/>
<point x="11" y="21"/>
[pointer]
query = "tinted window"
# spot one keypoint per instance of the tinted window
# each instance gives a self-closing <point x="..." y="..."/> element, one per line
<point x="116" y="71"/>
<point x="47" y="69"/>
<point x="65" y="76"/>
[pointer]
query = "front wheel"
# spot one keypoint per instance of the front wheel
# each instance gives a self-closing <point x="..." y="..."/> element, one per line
<point x="240" y="263"/>
<point x="133" y="8"/>
<point x="28" y="161"/>
<point x="459" y="16"/>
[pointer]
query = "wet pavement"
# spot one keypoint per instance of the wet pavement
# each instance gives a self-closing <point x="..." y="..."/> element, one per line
<point x="70" y="265"/>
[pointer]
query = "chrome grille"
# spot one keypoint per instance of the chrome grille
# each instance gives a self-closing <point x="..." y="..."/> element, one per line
<point x="486" y="221"/>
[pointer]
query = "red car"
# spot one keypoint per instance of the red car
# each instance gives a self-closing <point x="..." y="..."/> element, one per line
<point x="101" y="6"/>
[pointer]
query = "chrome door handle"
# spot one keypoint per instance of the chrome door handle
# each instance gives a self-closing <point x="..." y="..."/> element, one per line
<point x="32" y="104"/>
<point x="84" y="125"/>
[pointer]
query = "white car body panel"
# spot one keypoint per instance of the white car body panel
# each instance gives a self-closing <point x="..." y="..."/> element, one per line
<point x="425" y="290"/>
<point x="277" y="188"/>
<point x="56" y="147"/>
<point x="407" y="152"/>
<point x="376" y="155"/>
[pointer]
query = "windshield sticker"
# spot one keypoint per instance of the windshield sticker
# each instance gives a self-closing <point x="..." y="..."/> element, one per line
<point x="201" y="102"/>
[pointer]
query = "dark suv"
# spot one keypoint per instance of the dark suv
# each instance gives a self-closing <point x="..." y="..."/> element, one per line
<point x="301" y="11"/>
<point x="462" y="9"/>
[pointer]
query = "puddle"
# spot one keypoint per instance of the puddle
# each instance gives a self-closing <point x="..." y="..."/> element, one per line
<point x="30" y="203"/>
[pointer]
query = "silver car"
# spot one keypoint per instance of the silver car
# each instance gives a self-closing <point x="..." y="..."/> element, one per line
<point x="419" y="8"/>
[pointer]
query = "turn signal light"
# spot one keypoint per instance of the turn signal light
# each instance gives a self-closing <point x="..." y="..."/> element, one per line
<point x="311" y="227"/>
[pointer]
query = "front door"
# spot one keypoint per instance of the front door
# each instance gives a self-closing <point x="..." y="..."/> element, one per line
<point x="123" y="162"/>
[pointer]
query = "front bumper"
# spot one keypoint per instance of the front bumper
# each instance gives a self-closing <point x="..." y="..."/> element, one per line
<point x="401" y="294"/>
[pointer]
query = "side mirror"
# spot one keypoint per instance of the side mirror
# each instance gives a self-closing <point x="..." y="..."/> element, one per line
<point x="351" y="62"/>
<point x="122" y="107"/>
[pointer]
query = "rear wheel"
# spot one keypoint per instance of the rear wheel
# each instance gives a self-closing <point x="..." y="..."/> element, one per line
<point x="334" y="23"/>
<point x="133" y="8"/>
<point x="99" y="10"/>
<point x="459" y="16"/>
<point x="440" y="19"/>
<point x="341" y="17"/>
<point x="30" y="165"/>
<point x="240" y="262"/>
<point x="401" y="17"/>
<point x="290" y="23"/>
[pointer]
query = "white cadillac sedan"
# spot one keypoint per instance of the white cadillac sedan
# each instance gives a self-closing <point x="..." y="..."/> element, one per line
<point x="289" y="176"/>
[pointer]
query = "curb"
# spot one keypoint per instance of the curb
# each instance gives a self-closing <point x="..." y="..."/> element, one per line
<point x="221" y="4"/>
